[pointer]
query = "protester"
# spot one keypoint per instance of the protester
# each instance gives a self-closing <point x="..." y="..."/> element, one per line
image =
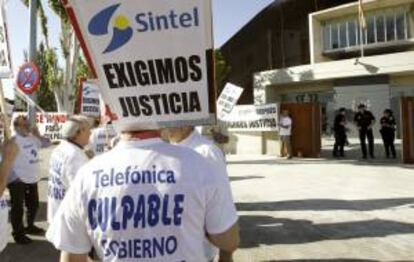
<point x="65" y="161"/>
<point x="101" y="138"/>
<point x="365" y="120"/>
<point x="285" y="132"/>
<point x="146" y="199"/>
<point x="340" y="133"/>
<point x="23" y="170"/>
<point x="388" y="127"/>
<point x="189" y="137"/>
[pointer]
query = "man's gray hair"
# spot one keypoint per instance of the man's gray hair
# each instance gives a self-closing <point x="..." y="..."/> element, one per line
<point x="73" y="125"/>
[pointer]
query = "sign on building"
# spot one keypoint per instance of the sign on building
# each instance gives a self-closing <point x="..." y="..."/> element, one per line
<point x="153" y="59"/>
<point x="5" y="64"/>
<point x="253" y="118"/>
<point x="228" y="99"/>
<point x="90" y="102"/>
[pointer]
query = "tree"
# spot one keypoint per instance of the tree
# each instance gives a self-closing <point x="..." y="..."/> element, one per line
<point x="62" y="82"/>
<point x="222" y="70"/>
<point x="45" y="94"/>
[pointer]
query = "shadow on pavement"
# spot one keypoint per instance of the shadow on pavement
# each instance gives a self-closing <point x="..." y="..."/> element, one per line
<point x="241" y="178"/>
<point x="326" y="204"/>
<point x="38" y="251"/>
<point x="325" y="260"/>
<point x="41" y="215"/>
<point x="332" y="260"/>
<point x="267" y="230"/>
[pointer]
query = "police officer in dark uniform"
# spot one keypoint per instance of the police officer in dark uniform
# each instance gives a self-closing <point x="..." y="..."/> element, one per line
<point x="365" y="120"/>
<point x="340" y="133"/>
<point x="388" y="126"/>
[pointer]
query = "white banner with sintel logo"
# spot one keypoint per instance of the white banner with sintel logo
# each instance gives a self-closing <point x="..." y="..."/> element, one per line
<point x="153" y="59"/>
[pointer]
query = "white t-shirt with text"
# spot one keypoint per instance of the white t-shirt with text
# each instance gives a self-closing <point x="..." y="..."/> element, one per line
<point x="26" y="166"/>
<point x="65" y="161"/>
<point x="212" y="153"/>
<point x="144" y="201"/>
<point x="100" y="139"/>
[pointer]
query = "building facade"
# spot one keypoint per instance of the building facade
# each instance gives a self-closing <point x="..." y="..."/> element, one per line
<point x="336" y="74"/>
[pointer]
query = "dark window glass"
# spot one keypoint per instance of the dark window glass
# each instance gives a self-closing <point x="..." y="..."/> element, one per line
<point x="335" y="33"/>
<point x="327" y="37"/>
<point x="371" y="29"/>
<point x="380" y="28"/>
<point x="342" y="36"/>
<point x="352" y="33"/>
<point x="390" y="28"/>
<point x="400" y="26"/>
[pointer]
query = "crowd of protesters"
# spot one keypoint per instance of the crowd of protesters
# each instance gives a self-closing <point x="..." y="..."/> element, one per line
<point x="209" y="228"/>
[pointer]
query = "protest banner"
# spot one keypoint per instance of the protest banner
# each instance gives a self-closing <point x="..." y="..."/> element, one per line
<point x="90" y="102"/>
<point x="49" y="124"/>
<point x="252" y="118"/>
<point x="228" y="99"/>
<point x="153" y="59"/>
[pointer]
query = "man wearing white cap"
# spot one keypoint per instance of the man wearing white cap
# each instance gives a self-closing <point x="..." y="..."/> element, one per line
<point x="65" y="161"/>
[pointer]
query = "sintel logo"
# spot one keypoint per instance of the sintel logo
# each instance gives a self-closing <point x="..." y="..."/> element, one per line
<point x="145" y="22"/>
<point x="122" y="32"/>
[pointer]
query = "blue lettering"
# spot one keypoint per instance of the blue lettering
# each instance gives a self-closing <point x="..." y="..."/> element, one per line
<point x="114" y="224"/>
<point x="127" y="204"/>
<point x="91" y="214"/>
<point x="154" y="203"/>
<point x="103" y="206"/>
<point x="178" y="209"/>
<point x="171" y="245"/>
<point x="146" y="248"/>
<point x="165" y="219"/>
<point x="140" y="19"/>
<point x="140" y="212"/>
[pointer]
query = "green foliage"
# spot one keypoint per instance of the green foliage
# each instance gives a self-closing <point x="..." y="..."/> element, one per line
<point x="45" y="96"/>
<point x="57" y="7"/>
<point x="222" y="70"/>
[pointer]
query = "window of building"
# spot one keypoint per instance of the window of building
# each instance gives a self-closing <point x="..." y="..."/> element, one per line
<point x="382" y="26"/>
<point x="352" y="33"/>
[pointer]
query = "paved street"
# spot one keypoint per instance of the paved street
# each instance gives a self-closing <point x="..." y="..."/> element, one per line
<point x="306" y="210"/>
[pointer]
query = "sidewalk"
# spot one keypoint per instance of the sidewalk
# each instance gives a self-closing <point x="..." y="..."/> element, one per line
<point x="303" y="210"/>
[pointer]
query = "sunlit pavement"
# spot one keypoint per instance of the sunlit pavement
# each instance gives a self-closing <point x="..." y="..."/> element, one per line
<point x="305" y="210"/>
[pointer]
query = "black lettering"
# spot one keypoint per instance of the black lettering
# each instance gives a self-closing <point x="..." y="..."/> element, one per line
<point x="142" y="75"/>
<point x="153" y="72"/>
<point x="181" y="69"/>
<point x="123" y="107"/>
<point x="165" y="70"/>
<point x="195" y="105"/>
<point x="156" y="100"/>
<point x="109" y="75"/>
<point x="122" y="78"/>
<point x="146" y="107"/>
<point x="194" y="62"/>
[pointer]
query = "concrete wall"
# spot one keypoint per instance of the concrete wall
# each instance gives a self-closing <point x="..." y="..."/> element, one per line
<point x="253" y="143"/>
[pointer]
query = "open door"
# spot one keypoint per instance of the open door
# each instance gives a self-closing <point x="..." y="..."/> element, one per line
<point x="407" y="123"/>
<point x="306" y="128"/>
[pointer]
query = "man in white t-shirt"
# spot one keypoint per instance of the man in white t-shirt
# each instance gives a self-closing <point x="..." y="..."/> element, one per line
<point x="23" y="176"/>
<point x="66" y="160"/>
<point x="285" y="132"/>
<point x="101" y="137"/>
<point x="188" y="137"/>
<point x="146" y="200"/>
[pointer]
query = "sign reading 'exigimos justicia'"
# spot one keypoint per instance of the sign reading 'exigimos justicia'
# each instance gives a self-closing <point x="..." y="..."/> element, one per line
<point x="153" y="58"/>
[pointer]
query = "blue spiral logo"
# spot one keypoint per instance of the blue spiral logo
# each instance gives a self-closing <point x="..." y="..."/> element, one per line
<point x="100" y="25"/>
